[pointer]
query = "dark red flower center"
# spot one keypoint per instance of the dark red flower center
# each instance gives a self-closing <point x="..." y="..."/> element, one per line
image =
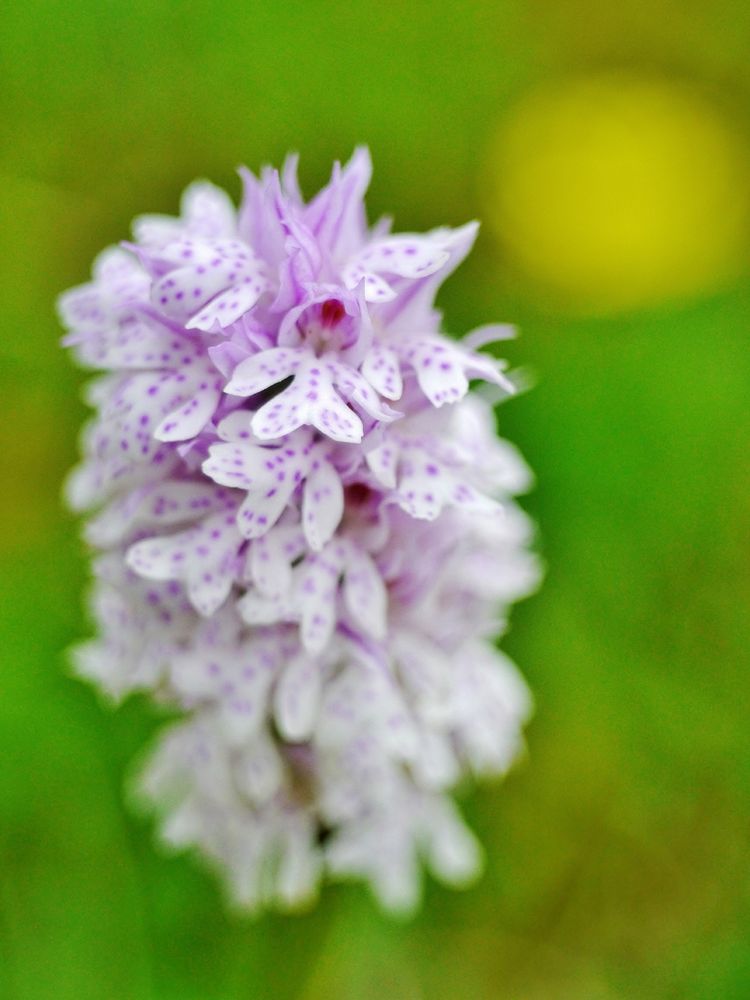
<point x="331" y="313"/>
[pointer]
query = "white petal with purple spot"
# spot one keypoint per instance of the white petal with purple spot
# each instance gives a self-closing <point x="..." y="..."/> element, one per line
<point x="316" y="586"/>
<point x="322" y="503"/>
<point x="264" y="369"/>
<point x="205" y="557"/>
<point x="297" y="698"/>
<point x="364" y="593"/>
<point x="381" y="369"/>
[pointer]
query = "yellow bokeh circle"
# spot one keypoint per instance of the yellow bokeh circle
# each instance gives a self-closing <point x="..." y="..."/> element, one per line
<point x="613" y="192"/>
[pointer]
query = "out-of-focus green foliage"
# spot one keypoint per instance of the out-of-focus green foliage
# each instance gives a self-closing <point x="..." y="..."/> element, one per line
<point x="617" y="851"/>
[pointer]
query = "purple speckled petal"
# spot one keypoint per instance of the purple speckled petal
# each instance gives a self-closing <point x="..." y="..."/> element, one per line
<point x="364" y="593"/>
<point x="413" y="308"/>
<point x="262" y="507"/>
<point x="237" y="427"/>
<point x="425" y="488"/>
<point x="310" y="399"/>
<point x="135" y="342"/>
<point x="205" y="557"/>
<point x="270" y="475"/>
<point x="173" y="404"/>
<point x="201" y="270"/>
<point x="440" y="377"/>
<point x="356" y="388"/>
<point x="297" y="698"/>
<point x="260" y="609"/>
<point x="270" y="559"/>
<point x="365" y="697"/>
<point x="240" y="465"/>
<point x="227" y="307"/>
<point x="119" y="282"/>
<point x="322" y="503"/>
<point x="105" y="318"/>
<point x="108" y="469"/>
<point x="283" y="414"/>
<point x="383" y="461"/>
<point x="316" y="585"/>
<point x="238" y="680"/>
<point x="381" y="369"/>
<point x="192" y="279"/>
<point x="406" y="255"/>
<point x="83" y="309"/>
<point x="263" y="370"/>
<point x="376" y="288"/>
<point x="234" y="464"/>
<point x="443" y="369"/>
<point x="190" y="419"/>
<point x="156" y="504"/>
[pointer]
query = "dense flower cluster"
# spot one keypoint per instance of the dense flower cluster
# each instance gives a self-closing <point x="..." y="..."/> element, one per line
<point x="298" y="544"/>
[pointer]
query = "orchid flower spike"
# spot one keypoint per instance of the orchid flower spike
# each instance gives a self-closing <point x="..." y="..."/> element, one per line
<point x="304" y="532"/>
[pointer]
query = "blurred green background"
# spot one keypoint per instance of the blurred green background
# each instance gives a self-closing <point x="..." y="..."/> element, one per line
<point x="605" y="147"/>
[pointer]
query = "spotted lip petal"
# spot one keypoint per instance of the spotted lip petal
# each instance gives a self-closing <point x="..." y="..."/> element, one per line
<point x="188" y="421"/>
<point x="311" y="399"/>
<point x="118" y="282"/>
<point x="404" y="256"/>
<point x="413" y="308"/>
<point x="322" y="503"/>
<point x="382" y="370"/>
<point x="205" y="557"/>
<point x="136" y="342"/>
<point x="235" y="677"/>
<point x="270" y="560"/>
<point x="207" y="283"/>
<point x="443" y="369"/>
<point x="153" y="505"/>
<point x="263" y="370"/>
<point x="271" y="474"/>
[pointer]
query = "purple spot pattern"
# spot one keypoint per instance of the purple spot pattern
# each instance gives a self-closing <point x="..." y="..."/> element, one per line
<point x="317" y="397"/>
<point x="341" y="569"/>
<point x="442" y="369"/>
<point x="206" y="284"/>
<point x="236" y="677"/>
<point x="425" y="488"/>
<point x="205" y="558"/>
<point x="400" y="256"/>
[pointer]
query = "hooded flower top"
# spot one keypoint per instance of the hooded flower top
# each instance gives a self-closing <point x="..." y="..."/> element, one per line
<point x="305" y="530"/>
